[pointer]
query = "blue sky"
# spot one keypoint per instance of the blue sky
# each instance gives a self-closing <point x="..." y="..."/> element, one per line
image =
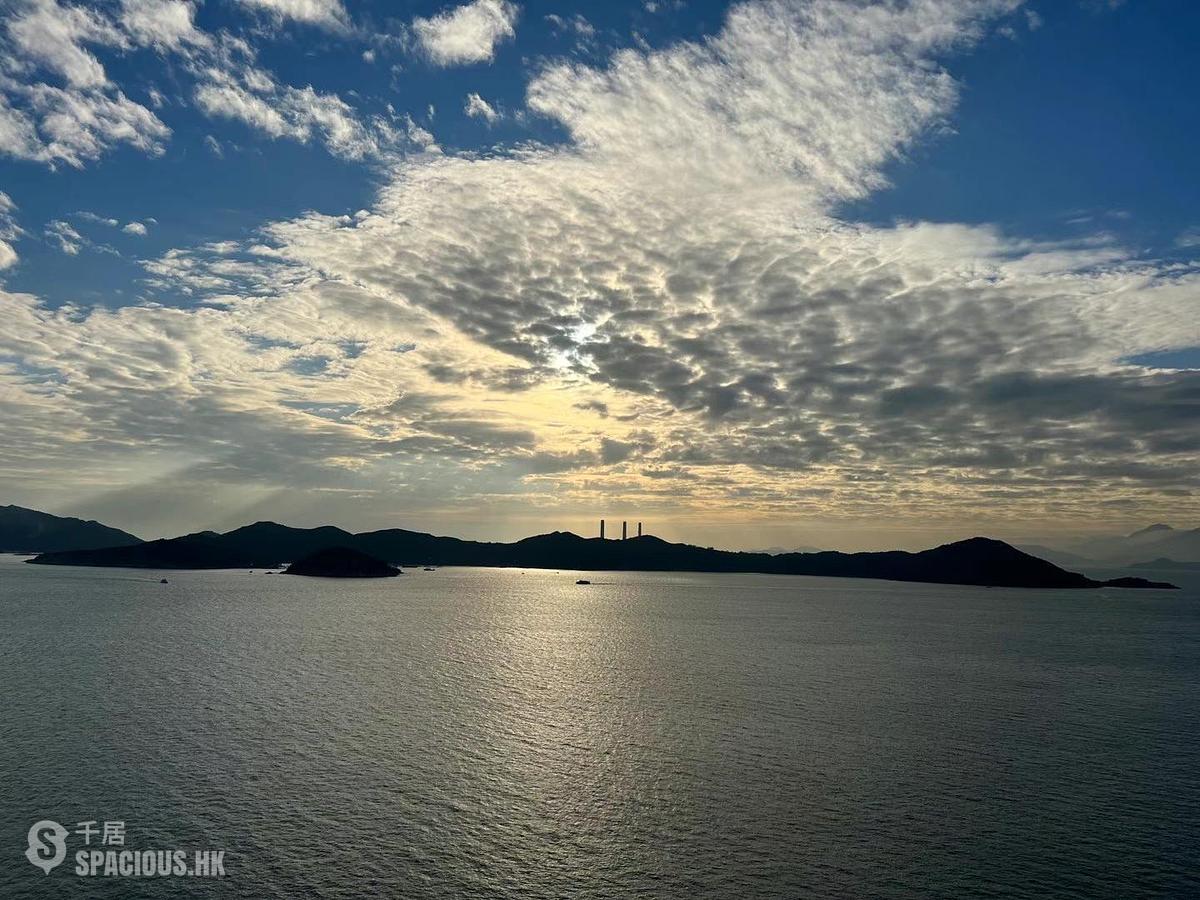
<point x="1086" y="122"/>
<point x="197" y="196"/>
<point x="280" y="161"/>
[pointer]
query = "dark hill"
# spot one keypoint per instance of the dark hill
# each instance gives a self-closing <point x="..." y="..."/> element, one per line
<point x="262" y="545"/>
<point x="978" y="561"/>
<point x="270" y="541"/>
<point x="1128" y="582"/>
<point x="341" y="562"/>
<point x="30" y="531"/>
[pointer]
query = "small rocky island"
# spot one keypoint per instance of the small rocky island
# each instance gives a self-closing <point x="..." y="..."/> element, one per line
<point x="341" y="562"/>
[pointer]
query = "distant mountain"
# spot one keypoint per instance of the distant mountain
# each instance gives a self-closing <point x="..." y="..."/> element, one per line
<point x="1058" y="557"/>
<point x="978" y="561"/>
<point x="1179" y="545"/>
<point x="1150" y="530"/>
<point x="30" y="531"/>
<point x="1168" y="564"/>
<point x="1147" y="543"/>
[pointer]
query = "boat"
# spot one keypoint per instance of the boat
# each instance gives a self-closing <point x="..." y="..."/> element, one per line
<point x="583" y="581"/>
<point x="430" y="569"/>
<point x="163" y="581"/>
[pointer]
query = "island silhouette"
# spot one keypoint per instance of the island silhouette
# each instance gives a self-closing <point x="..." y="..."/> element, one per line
<point x="341" y="562"/>
<point x="268" y="545"/>
<point x="25" y="530"/>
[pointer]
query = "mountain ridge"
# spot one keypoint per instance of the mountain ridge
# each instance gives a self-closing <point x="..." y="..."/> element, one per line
<point x="975" y="561"/>
<point x="1155" y="541"/>
<point x="24" y="530"/>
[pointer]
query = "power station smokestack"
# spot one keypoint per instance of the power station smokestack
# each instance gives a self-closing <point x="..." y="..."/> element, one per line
<point x="601" y="529"/>
<point x="624" y="530"/>
<point x="639" y="529"/>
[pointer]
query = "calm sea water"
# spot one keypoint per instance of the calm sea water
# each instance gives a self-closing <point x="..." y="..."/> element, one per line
<point x="486" y="733"/>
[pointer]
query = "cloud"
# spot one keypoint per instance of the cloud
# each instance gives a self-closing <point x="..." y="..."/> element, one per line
<point x="781" y="117"/>
<point x="9" y="231"/>
<point x="325" y="13"/>
<point x="73" y="127"/>
<point x="89" y="216"/>
<point x="1189" y="238"/>
<point x="136" y="228"/>
<point x="85" y="116"/>
<point x="214" y="146"/>
<point x="54" y="36"/>
<point x="467" y="34"/>
<point x="164" y="24"/>
<point x="58" y="104"/>
<point x="576" y="23"/>
<point x="718" y="287"/>
<point x="66" y="237"/>
<point x="666" y="310"/>
<point x="478" y="108"/>
<point x="253" y="97"/>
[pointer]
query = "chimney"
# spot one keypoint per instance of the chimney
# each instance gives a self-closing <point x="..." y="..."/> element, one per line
<point x="624" y="530"/>
<point x="601" y="529"/>
<point x="639" y="529"/>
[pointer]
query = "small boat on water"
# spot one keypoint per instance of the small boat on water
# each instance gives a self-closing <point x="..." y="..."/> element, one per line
<point x="583" y="581"/>
<point x="429" y="569"/>
<point x="163" y="581"/>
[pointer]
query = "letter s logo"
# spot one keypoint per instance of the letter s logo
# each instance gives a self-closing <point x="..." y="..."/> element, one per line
<point x="47" y="845"/>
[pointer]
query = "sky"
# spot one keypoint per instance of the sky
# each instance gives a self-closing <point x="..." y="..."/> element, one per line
<point x="767" y="273"/>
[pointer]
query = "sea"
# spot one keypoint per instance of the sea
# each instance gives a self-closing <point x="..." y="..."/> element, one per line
<point x="499" y="733"/>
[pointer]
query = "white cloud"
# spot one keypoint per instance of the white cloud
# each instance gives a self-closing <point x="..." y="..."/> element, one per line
<point x="54" y="36"/>
<point x="18" y="134"/>
<point x="81" y="119"/>
<point x="70" y="241"/>
<point x="253" y="97"/>
<point x="807" y="113"/>
<point x="62" y="125"/>
<point x="9" y="231"/>
<point x="576" y="23"/>
<point x="135" y="228"/>
<point x="325" y="13"/>
<point x="478" y="108"/>
<point x="65" y="237"/>
<point x="165" y="24"/>
<point x="89" y="216"/>
<point x="468" y="33"/>
<point x="1189" y="238"/>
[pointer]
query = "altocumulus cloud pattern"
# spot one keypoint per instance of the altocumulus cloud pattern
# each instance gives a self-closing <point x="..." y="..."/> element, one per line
<point x="647" y="288"/>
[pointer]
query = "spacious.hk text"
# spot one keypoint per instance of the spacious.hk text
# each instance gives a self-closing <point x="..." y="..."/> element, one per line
<point x="103" y="853"/>
<point x="137" y="863"/>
